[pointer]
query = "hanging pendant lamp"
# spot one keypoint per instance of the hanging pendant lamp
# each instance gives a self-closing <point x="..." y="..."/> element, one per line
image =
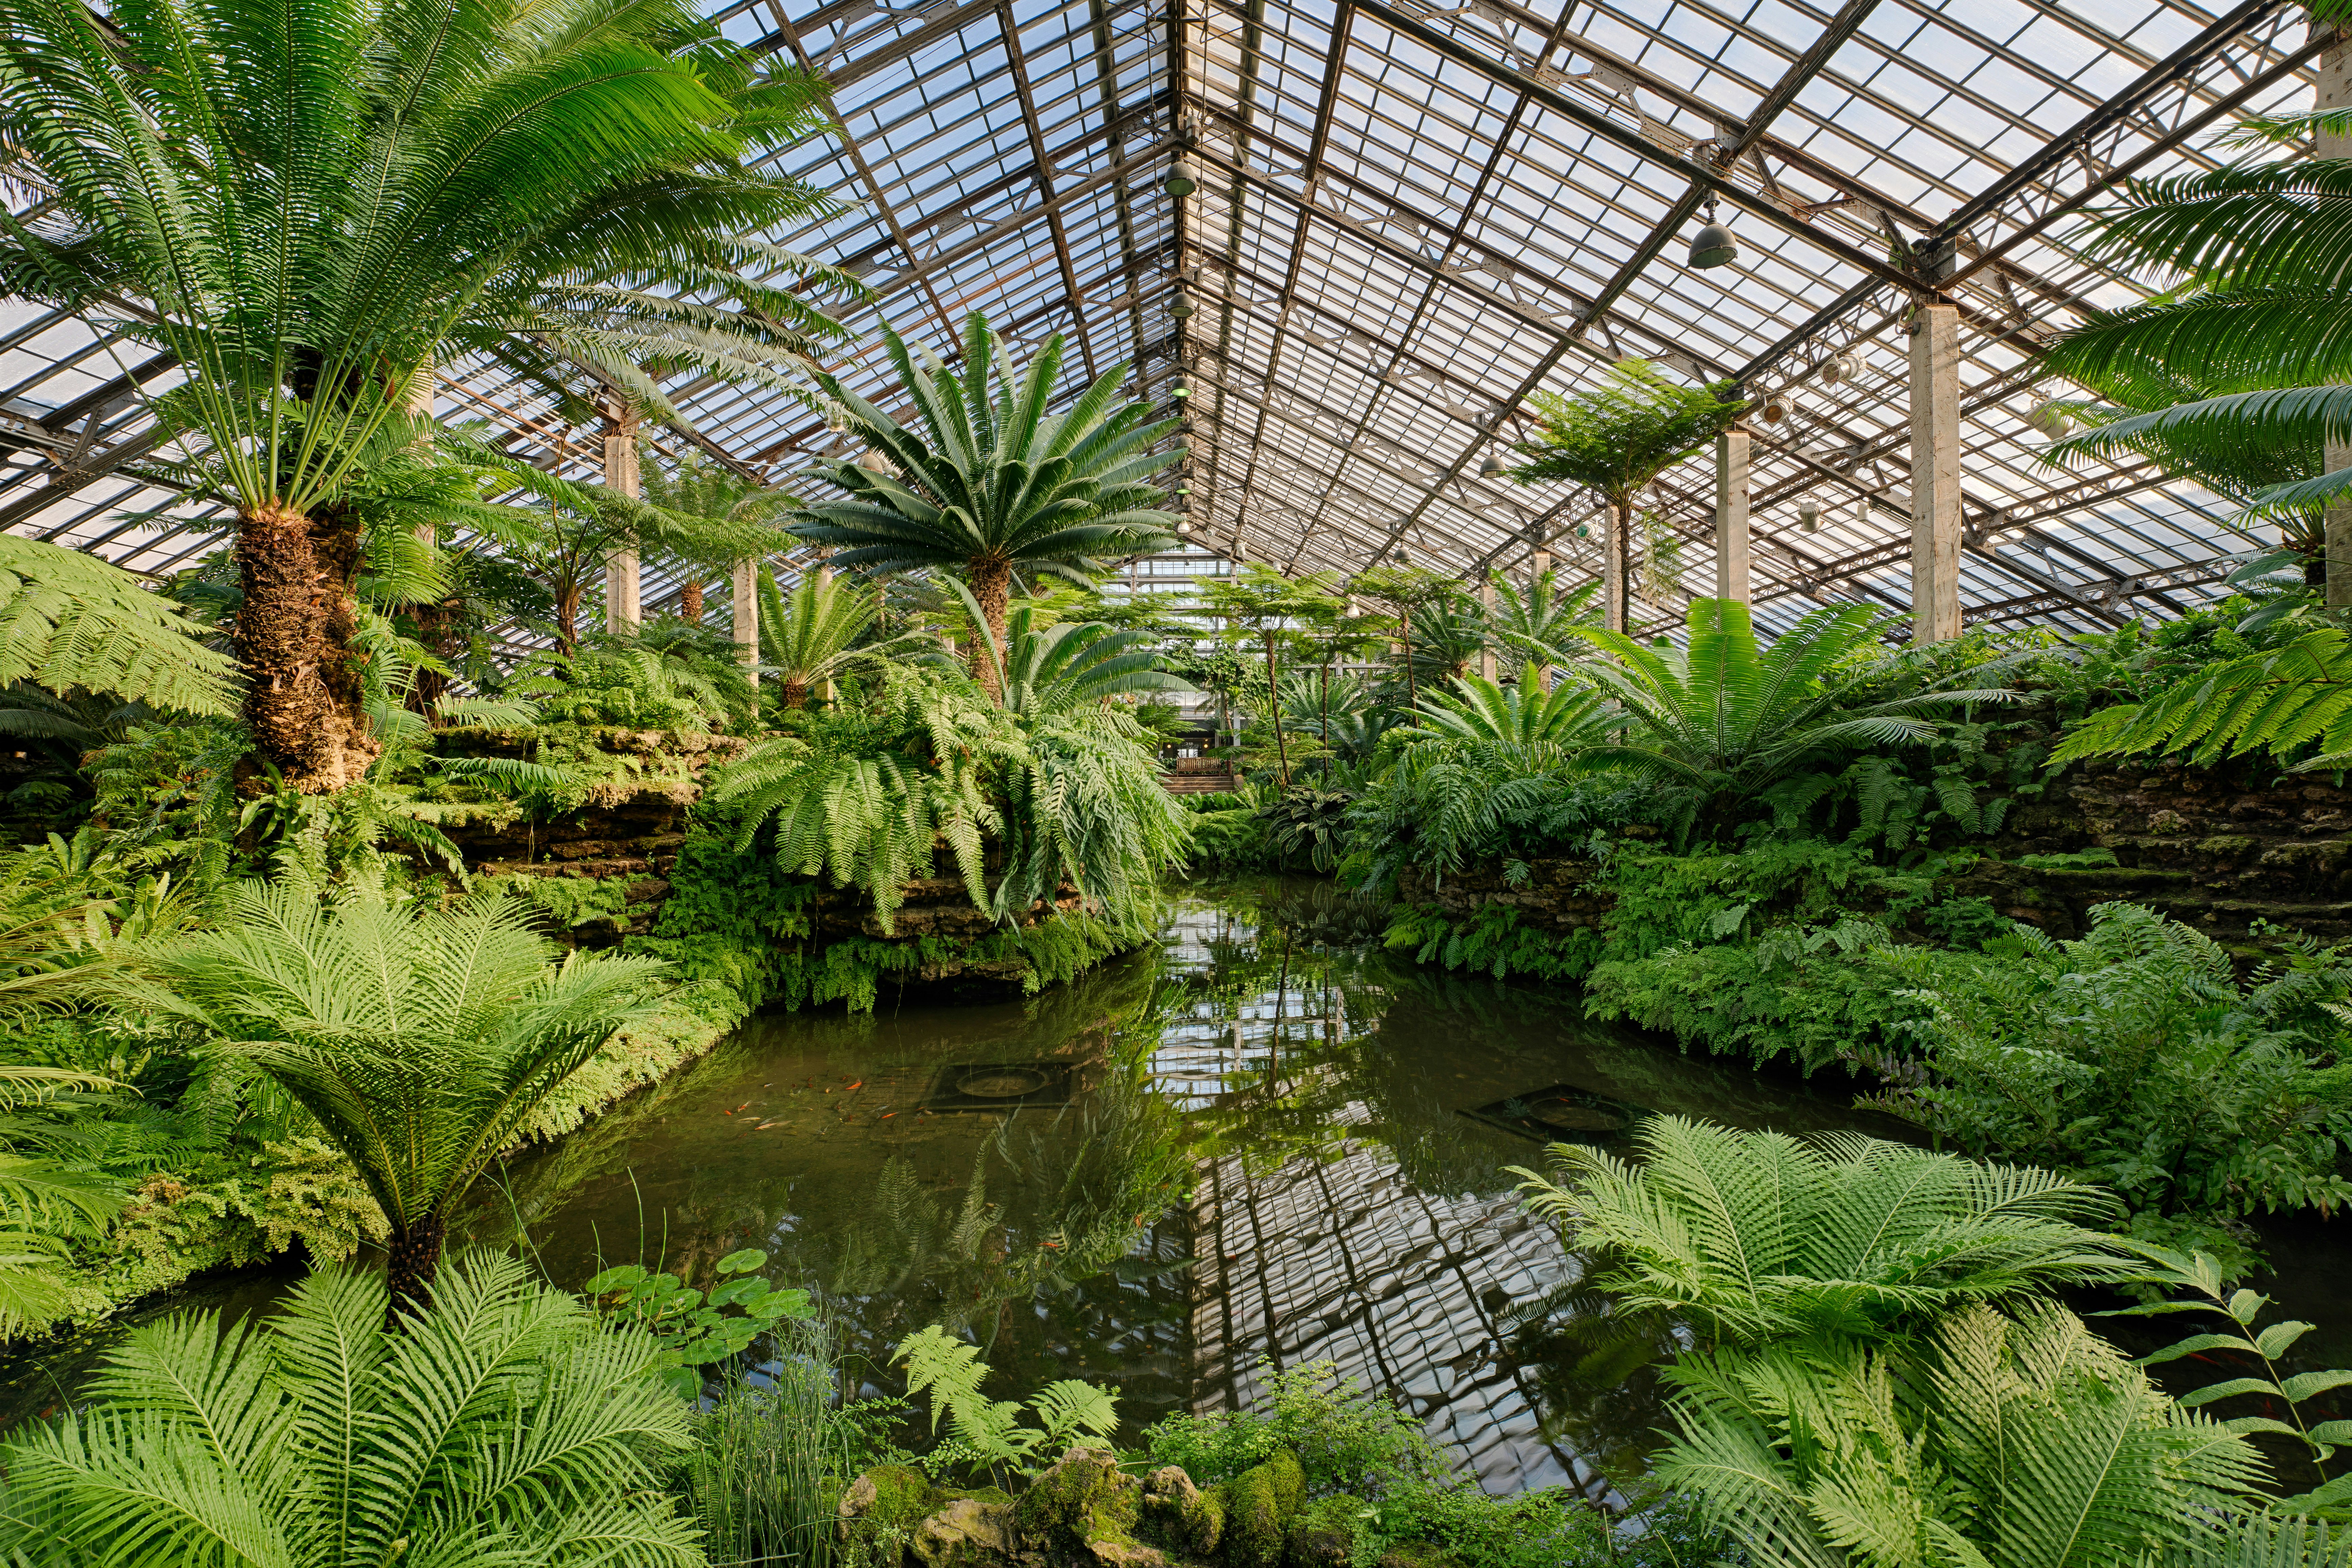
<point x="1713" y="246"/>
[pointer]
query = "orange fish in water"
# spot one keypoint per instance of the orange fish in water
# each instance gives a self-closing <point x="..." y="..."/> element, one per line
<point x="858" y="1084"/>
<point x="887" y="1114"/>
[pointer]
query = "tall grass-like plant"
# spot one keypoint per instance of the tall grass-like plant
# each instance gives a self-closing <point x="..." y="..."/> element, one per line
<point x="993" y="484"/>
<point x="502" y="1425"/>
<point x="421" y="1040"/>
<point x="302" y="204"/>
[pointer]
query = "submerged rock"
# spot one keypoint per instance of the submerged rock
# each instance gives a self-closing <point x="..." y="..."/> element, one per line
<point x="1083" y="1513"/>
<point x="1180" y="1516"/>
<point x="1259" y="1505"/>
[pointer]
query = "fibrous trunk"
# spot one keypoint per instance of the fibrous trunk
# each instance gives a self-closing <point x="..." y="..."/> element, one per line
<point x="991" y="582"/>
<point x="415" y="1259"/>
<point x="795" y="693"/>
<point x="306" y="699"/>
<point x="689" y="602"/>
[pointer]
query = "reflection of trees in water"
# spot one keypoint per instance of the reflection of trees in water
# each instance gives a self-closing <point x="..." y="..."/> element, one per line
<point x="1596" y="1369"/>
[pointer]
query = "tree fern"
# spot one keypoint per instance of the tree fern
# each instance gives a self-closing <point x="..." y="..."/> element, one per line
<point x="1756" y="1236"/>
<point x="2284" y="702"/>
<point x="504" y="1425"/>
<point x="71" y="622"/>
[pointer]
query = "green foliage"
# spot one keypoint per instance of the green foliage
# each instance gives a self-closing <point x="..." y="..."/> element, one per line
<point x="1620" y="435"/>
<point x="422" y="1041"/>
<point x="2201" y="1275"/>
<point x="1729" y="718"/>
<point x="818" y="631"/>
<point x="695" y="1327"/>
<point x="1307" y="825"/>
<point x="2135" y="1058"/>
<point x="994" y="484"/>
<point x="638" y="687"/>
<point x="2289" y="703"/>
<point x="2021" y="1442"/>
<point x="987" y="1433"/>
<point x="1494" y="940"/>
<point x="74" y="623"/>
<point x="1754" y="1237"/>
<point x="504" y="1424"/>
<point x="1227" y="838"/>
<point x="1340" y="1435"/>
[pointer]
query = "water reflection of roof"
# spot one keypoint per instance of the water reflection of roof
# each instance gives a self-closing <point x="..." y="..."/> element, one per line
<point x="1346" y="1261"/>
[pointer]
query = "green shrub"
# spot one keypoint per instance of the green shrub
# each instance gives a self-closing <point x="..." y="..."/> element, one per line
<point x="1339" y="1434"/>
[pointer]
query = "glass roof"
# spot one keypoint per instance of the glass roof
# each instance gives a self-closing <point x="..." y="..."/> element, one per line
<point x="1410" y="218"/>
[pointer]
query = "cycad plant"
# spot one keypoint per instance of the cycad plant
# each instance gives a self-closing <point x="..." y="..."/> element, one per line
<point x="421" y="1039"/>
<point x="1539" y="728"/>
<point x="1617" y="437"/>
<point x="813" y="633"/>
<point x="993" y="484"/>
<point x="1729" y="719"/>
<point x="1066" y="669"/>
<point x="304" y="202"/>
<point x="1538" y="624"/>
<point x="1754" y="1237"/>
<point x="504" y="1424"/>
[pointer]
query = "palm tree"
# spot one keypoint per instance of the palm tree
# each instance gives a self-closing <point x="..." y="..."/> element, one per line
<point x="308" y="201"/>
<point x="811" y="634"/>
<point x="1271" y="604"/>
<point x="71" y="623"/>
<point x="503" y="1425"/>
<point x="1618" y="438"/>
<point x="994" y="485"/>
<point x="1539" y="623"/>
<point x="421" y="1040"/>
<point x="1754" y="1237"/>
<point x="1731" y="719"/>
<point x="701" y="489"/>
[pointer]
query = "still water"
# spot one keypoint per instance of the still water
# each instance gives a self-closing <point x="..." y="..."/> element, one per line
<point x="1264" y="1143"/>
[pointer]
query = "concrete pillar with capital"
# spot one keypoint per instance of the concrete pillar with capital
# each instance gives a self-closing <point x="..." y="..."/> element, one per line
<point x="1935" y="474"/>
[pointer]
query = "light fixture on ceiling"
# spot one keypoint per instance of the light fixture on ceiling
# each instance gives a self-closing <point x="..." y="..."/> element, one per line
<point x="1179" y="392"/>
<point x="1713" y="246"/>
<point x="2051" y="420"/>
<point x="1492" y="468"/>
<point x="1775" y="408"/>
<point x="836" y="417"/>
<point x="1582" y="532"/>
<point x="1181" y="179"/>
<point x="1184" y="526"/>
<point x="1808" y="516"/>
<point x="1180" y="306"/>
<point x="1841" y="367"/>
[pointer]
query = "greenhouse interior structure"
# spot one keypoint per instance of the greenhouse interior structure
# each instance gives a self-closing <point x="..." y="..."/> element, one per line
<point x="1221" y="784"/>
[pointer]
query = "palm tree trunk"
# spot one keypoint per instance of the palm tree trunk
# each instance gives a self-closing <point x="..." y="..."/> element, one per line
<point x="416" y="1260"/>
<point x="1616" y="556"/>
<point x="567" y="619"/>
<point x="689" y="602"/>
<point x="795" y="693"/>
<point x="1281" y="752"/>
<point x="991" y="582"/>
<point x="306" y="700"/>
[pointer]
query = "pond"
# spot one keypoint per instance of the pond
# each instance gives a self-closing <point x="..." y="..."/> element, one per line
<point x="1265" y="1143"/>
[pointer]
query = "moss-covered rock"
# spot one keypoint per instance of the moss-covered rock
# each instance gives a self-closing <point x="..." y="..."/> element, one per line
<point x="1416" y="1554"/>
<point x="1179" y="1517"/>
<point x="969" y="1533"/>
<point x="1259" y="1504"/>
<point x="882" y="1509"/>
<point x="1323" y="1534"/>
<point x="1082" y="1513"/>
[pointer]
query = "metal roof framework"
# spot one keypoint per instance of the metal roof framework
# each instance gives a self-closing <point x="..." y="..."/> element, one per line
<point x="1411" y="218"/>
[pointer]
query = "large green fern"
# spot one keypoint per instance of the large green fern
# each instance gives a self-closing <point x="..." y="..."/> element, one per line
<point x="2014" y="1443"/>
<point x="505" y="1424"/>
<point x="71" y="622"/>
<point x="2284" y="701"/>
<point x="1755" y="1237"/>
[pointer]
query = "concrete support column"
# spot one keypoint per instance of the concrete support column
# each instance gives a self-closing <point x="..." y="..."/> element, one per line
<point x="1731" y="515"/>
<point x="747" y="615"/>
<point x="1616" y="564"/>
<point x="2334" y="90"/>
<point x="621" y="617"/>
<point x="1487" y="649"/>
<point x="1935" y="474"/>
<point x="1540" y="563"/>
